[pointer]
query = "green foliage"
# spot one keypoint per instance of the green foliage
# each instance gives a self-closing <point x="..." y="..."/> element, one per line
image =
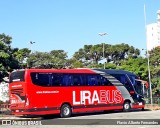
<point x="77" y="64"/>
<point x="156" y="86"/>
<point x="7" y="60"/>
<point x="6" y="39"/>
<point x="154" y="56"/>
<point x="21" y="54"/>
<point x="136" y="65"/>
<point x="112" y="53"/>
<point x="4" y="55"/>
<point x="53" y="59"/>
<point x="110" y="66"/>
<point x="107" y="66"/>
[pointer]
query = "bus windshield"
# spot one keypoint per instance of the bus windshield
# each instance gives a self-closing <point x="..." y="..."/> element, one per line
<point x="141" y="87"/>
<point x="17" y="76"/>
<point x="132" y="83"/>
<point x="138" y="87"/>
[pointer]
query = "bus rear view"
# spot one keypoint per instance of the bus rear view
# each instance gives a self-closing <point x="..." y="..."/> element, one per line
<point x="17" y="87"/>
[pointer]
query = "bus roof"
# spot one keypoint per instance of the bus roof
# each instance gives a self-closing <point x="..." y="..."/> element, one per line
<point x="116" y="71"/>
<point x="81" y="70"/>
<point x="85" y="70"/>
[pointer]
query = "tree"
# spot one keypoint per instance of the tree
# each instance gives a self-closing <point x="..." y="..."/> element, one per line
<point x="22" y="55"/>
<point x="156" y="86"/>
<point x="155" y="56"/>
<point x="92" y="54"/>
<point x="53" y="59"/>
<point x="136" y="65"/>
<point x="155" y="69"/>
<point x="7" y="60"/>
<point x="77" y="64"/>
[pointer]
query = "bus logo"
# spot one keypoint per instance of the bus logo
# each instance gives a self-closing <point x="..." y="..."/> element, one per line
<point x="101" y="96"/>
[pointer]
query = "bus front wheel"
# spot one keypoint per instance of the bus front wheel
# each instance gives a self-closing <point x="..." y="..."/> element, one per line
<point x="65" y="111"/>
<point x="126" y="106"/>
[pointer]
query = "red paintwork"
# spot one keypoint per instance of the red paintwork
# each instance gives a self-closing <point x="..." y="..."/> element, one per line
<point x="49" y="100"/>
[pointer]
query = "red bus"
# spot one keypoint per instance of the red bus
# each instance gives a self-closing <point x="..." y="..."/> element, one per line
<point x="67" y="91"/>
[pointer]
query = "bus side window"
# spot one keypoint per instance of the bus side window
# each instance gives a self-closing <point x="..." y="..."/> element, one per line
<point x="99" y="80"/>
<point x="57" y="79"/>
<point x="77" y="80"/>
<point x="105" y="81"/>
<point x="84" y="79"/>
<point x="92" y="80"/>
<point x="122" y="79"/>
<point x="74" y="80"/>
<point x="70" y="80"/>
<point x="125" y="81"/>
<point x="41" y="79"/>
<point x="65" y="79"/>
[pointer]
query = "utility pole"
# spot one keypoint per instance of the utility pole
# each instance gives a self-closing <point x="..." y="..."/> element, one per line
<point x="148" y="61"/>
<point x="103" y="34"/>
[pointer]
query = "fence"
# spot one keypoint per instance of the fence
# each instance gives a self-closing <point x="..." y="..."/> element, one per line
<point x="155" y="100"/>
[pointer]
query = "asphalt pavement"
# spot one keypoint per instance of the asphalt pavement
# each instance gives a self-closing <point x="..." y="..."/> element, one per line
<point x="134" y="119"/>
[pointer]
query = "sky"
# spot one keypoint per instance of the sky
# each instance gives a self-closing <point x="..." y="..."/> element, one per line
<point x="71" y="24"/>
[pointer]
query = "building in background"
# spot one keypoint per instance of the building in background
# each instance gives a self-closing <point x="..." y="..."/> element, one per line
<point x="153" y="33"/>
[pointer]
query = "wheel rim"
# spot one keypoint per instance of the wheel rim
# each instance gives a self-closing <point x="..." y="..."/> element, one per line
<point x="66" y="111"/>
<point x="126" y="106"/>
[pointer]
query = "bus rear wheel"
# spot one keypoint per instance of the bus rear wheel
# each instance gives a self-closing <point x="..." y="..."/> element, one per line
<point x="65" y="111"/>
<point x="126" y="106"/>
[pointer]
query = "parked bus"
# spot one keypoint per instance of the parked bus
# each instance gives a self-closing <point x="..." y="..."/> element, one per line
<point x="67" y="91"/>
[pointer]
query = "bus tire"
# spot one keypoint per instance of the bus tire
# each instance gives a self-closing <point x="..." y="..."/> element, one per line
<point x="65" y="111"/>
<point x="126" y="106"/>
